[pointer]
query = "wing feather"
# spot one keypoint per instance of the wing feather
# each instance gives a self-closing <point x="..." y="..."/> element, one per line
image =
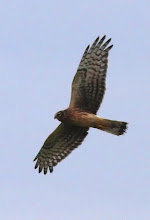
<point x="59" y="145"/>
<point x="88" y="86"/>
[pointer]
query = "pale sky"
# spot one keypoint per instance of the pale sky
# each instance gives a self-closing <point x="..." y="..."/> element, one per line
<point x="41" y="44"/>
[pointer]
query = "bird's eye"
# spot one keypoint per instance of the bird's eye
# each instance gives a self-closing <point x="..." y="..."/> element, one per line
<point x="59" y="114"/>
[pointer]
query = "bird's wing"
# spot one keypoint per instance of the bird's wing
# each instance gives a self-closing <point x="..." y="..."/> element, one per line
<point x="88" y="86"/>
<point x="59" y="145"/>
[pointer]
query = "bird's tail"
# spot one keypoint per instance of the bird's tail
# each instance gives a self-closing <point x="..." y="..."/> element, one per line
<point x="113" y="127"/>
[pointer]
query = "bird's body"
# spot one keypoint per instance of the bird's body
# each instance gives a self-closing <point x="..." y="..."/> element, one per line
<point x="77" y="117"/>
<point x="88" y="88"/>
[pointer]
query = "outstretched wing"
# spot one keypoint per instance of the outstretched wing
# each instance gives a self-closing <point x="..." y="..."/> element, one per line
<point x="88" y="86"/>
<point x="59" y="145"/>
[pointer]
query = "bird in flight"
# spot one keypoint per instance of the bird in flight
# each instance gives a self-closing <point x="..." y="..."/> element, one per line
<point x="88" y="88"/>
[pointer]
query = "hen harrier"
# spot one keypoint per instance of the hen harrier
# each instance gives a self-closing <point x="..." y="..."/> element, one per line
<point x="88" y="88"/>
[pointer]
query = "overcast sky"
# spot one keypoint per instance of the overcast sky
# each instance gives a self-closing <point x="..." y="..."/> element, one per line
<point x="41" y="44"/>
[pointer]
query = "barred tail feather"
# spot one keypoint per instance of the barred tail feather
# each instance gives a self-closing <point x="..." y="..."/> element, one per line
<point x="113" y="127"/>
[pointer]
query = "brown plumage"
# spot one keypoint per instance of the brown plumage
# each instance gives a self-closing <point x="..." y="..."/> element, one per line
<point x="88" y="88"/>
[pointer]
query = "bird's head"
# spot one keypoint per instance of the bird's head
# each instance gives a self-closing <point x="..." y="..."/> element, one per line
<point x="60" y="115"/>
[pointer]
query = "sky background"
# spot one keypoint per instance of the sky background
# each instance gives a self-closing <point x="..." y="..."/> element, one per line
<point x="41" y="44"/>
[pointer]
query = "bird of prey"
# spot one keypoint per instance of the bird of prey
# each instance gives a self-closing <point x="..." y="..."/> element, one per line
<point x="88" y="88"/>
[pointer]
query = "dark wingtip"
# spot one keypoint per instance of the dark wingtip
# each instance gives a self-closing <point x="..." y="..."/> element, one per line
<point x="108" y="40"/>
<point x="87" y="48"/>
<point x="97" y="38"/>
<point x="108" y="48"/>
<point x="40" y="169"/>
<point x="103" y="38"/>
<point x="51" y="169"/>
<point x="36" y="165"/>
<point x="45" y="171"/>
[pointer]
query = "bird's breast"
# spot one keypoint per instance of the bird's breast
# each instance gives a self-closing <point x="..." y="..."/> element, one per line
<point x="82" y="119"/>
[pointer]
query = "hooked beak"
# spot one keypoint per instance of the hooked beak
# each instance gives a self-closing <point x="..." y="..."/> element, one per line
<point x="55" y="116"/>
